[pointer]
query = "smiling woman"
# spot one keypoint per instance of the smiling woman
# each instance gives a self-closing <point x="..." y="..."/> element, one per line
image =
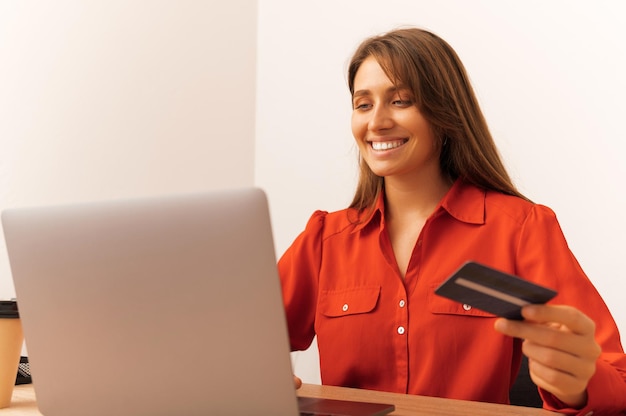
<point x="393" y="136"/>
<point x="432" y="194"/>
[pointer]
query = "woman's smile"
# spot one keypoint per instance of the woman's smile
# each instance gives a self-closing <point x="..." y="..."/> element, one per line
<point x="388" y="145"/>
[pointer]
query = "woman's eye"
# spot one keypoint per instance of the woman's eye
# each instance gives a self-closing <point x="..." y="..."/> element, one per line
<point x="362" y="106"/>
<point x="403" y="103"/>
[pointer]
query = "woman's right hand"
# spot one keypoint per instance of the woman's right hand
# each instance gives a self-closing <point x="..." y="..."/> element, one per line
<point x="297" y="382"/>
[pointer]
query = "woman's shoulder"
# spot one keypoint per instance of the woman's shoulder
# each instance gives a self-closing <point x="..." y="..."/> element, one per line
<point x="333" y="222"/>
<point x="515" y="206"/>
<point x="476" y="204"/>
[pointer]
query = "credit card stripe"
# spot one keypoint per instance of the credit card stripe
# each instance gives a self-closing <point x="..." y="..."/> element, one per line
<point x="491" y="292"/>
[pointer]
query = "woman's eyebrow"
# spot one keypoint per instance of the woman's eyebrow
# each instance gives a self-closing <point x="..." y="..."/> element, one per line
<point x="361" y="93"/>
<point x="390" y="90"/>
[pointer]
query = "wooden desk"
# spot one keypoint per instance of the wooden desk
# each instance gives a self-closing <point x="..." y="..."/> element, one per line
<point x="409" y="405"/>
<point x="24" y="403"/>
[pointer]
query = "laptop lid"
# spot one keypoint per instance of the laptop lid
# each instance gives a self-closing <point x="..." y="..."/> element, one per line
<point x="158" y="306"/>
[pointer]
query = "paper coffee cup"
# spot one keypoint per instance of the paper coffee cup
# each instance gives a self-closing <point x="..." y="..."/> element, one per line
<point x="11" y="340"/>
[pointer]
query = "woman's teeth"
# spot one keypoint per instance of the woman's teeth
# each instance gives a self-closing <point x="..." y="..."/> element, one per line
<point x="387" y="145"/>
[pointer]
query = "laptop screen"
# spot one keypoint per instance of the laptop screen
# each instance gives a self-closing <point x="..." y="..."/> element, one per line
<point x="155" y="306"/>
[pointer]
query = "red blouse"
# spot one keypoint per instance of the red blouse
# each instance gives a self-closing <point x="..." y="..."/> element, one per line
<point x="378" y="331"/>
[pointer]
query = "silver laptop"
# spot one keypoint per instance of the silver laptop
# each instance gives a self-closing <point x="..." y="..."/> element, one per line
<point x="155" y="306"/>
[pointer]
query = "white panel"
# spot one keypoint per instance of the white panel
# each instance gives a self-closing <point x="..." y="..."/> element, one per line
<point x="104" y="99"/>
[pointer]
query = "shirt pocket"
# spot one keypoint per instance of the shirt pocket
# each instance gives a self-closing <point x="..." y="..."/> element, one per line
<point x="349" y="301"/>
<point x="440" y="305"/>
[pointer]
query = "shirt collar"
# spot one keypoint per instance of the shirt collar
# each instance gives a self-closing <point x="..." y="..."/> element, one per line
<point x="374" y="215"/>
<point x="463" y="201"/>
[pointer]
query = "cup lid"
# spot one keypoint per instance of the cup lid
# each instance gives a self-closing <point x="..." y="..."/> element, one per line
<point x="8" y="309"/>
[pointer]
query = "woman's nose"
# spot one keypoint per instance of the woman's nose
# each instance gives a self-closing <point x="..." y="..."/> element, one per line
<point x="380" y="119"/>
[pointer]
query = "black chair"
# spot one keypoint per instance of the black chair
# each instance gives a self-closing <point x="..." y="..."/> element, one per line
<point x="524" y="391"/>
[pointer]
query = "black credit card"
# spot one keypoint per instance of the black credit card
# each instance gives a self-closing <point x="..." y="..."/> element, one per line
<point x="493" y="291"/>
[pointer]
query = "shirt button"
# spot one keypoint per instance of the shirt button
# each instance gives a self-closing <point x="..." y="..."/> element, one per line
<point x="344" y="307"/>
<point x="402" y="303"/>
<point x="467" y="307"/>
<point x="419" y="243"/>
<point x="400" y="330"/>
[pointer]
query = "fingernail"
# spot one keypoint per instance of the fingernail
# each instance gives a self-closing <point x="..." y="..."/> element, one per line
<point x="529" y="311"/>
<point x="500" y="324"/>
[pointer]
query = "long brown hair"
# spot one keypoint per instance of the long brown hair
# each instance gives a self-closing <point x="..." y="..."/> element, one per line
<point x="431" y="69"/>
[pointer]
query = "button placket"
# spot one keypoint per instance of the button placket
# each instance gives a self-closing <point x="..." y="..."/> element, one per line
<point x="402" y="304"/>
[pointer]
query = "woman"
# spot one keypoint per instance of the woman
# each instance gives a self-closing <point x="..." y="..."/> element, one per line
<point x="432" y="194"/>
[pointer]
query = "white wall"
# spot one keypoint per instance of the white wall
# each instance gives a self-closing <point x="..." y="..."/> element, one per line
<point x="550" y="78"/>
<point x="107" y="99"/>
